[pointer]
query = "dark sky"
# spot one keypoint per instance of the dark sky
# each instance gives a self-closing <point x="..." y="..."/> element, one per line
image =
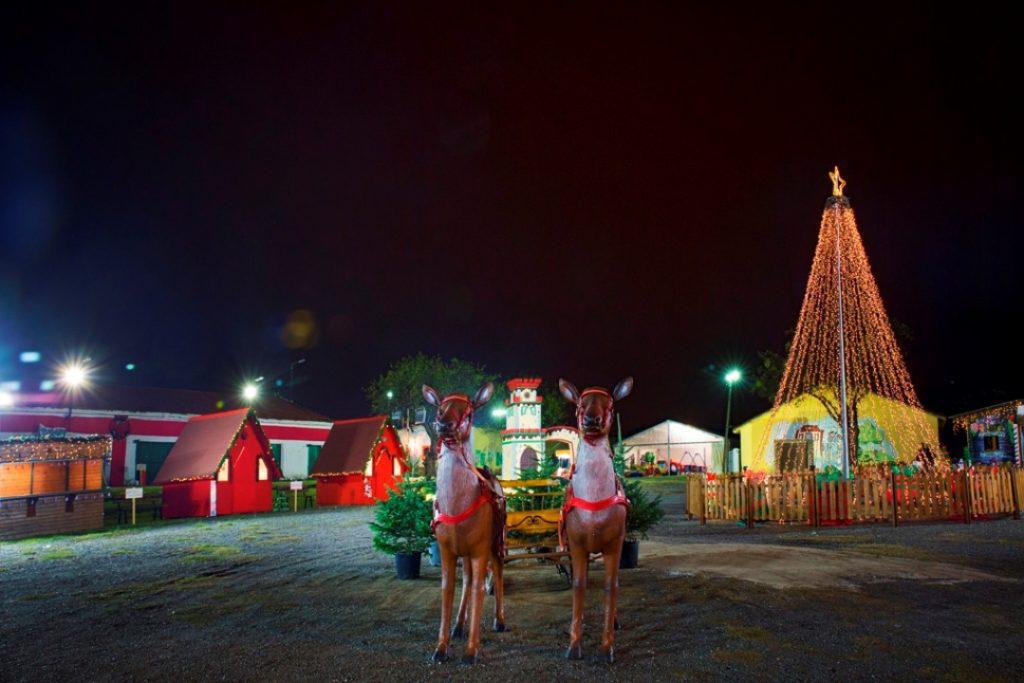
<point x="563" y="193"/>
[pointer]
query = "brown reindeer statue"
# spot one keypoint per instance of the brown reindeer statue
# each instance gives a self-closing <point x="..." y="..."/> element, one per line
<point x="594" y="514"/>
<point x="469" y="523"/>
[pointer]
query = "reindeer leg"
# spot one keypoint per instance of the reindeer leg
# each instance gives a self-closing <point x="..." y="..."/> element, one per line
<point x="459" y="630"/>
<point x="611" y="600"/>
<point x="498" y="582"/>
<point x="479" y="568"/>
<point x="580" y="561"/>
<point x="447" y="597"/>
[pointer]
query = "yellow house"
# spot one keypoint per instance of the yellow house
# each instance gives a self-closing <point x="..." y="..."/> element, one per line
<point x="801" y="433"/>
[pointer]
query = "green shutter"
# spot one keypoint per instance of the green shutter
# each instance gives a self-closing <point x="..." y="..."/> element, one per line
<point x="275" y="452"/>
<point x="153" y="454"/>
<point x="312" y="453"/>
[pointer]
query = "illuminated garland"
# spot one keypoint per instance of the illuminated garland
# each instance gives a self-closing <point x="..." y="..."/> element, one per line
<point x="874" y="363"/>
<point x="1004" y="412"/>
<point x="33" y="447"/>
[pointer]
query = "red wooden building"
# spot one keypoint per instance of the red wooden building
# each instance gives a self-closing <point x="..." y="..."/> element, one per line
<point x="360" y="462"/>
<point x="144" y="423"/>
<point x="220" y="465"/>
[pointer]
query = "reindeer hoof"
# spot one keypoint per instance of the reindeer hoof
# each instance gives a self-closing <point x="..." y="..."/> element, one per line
<point x="609" y="655"/>
<point x="499" y="626"/>
<point x="439" y="657"/>
<point x="458" y="631"/>
<point x="469" y="659"/>
<point x="574" y="652"/>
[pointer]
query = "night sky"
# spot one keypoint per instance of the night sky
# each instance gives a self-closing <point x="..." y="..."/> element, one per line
<point x="555" y="193"/>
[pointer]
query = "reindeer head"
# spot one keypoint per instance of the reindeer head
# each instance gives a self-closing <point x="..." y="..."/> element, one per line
<point x="455" y="412"/>
<point x="594" y="406"/>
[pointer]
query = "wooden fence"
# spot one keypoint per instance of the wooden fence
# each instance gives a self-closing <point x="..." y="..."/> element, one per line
<point x="873" y="494"/>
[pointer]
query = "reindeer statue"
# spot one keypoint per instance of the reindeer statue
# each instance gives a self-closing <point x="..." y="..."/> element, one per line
<point x="594" y="514"/>
<point x="469" y="522"/>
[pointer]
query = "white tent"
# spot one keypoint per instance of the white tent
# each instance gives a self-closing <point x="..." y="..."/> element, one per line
<point x="674" y="442"/>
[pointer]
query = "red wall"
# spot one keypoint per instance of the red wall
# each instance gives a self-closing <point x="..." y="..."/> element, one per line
<point x="244" y="492"/>
<point x="187" y="499"/>
<point x="346" y="489"/>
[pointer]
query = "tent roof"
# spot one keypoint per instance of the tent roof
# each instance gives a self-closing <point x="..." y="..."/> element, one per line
<point x="204" y="442"/>
<point x="348" y="445"/>
<point x="680" y="434"/>
<point x="132" y="399"/>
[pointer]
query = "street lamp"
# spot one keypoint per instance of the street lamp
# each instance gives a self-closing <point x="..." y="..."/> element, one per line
<point x="731" y="378"/>
<point x="72" y="376"/>
<point x="250" y="391"/>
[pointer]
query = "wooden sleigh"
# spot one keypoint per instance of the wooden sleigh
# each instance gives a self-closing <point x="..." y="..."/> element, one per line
<point x="533" y="507"/>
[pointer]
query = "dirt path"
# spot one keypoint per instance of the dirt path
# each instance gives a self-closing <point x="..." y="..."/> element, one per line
<point x="303" y="596"/>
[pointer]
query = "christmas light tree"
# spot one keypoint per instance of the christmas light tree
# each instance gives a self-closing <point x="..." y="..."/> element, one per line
<point x="844" y="347"/>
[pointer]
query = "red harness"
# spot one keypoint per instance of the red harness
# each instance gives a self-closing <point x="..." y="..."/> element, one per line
<point x="441" y="518"/>
<point x="572" y="501"/>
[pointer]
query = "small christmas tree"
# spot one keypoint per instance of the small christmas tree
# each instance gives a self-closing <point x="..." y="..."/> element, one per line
<point x="402" y="522"/>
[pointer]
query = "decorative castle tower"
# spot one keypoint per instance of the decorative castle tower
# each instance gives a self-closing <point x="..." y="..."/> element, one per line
<point x="522" y="442"/>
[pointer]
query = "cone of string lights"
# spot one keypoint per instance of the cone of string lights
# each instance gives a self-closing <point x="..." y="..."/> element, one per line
<point x="844" y="348"/>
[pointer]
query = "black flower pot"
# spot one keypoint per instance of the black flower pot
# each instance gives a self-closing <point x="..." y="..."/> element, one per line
<point x="630" y="555"/>
<point x="407" y="565"/>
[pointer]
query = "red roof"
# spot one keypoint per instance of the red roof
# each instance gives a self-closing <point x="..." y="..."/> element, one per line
<point x="348" y="445"/>
<point x="130" y="399"/>
<point x="204" y="442"/>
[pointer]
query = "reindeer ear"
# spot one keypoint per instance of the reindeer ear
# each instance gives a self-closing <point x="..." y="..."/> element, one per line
<point x="483" y="394"/>
<point x="569" y="391"/>
<point x="430" y="396"/>
<point x="622" y="389"/>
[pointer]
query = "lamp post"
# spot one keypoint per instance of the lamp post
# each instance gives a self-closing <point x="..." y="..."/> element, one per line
<point x="291" y="377"/>
<point x="731" y="378"/>
<point x="73" y="377"/>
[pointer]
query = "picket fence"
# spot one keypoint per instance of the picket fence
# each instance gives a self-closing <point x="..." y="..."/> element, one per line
<point x="872" y="494"/>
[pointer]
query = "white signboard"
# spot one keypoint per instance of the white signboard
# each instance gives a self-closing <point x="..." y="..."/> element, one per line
<point x="295" y="485"/>
<point x="133" y="492"/>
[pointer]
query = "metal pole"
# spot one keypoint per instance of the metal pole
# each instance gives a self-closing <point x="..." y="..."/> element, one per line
<point x="842" y="351"/>
<point x="725" y="438"/>
<point x="668" y="446"/>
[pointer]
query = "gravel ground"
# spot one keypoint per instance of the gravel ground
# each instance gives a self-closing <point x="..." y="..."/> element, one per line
<point x="303" y="596"/>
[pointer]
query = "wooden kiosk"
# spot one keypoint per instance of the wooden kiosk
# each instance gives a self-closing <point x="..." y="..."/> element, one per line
<point x="51" y="485"/>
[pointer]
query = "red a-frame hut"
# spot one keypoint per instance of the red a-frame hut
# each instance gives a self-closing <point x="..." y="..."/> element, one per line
<point x="360" y="462"/>
<point x="220" y="465"/>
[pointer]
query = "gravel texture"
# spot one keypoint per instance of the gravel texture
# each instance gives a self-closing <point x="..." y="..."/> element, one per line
<point x="303" y="596"/>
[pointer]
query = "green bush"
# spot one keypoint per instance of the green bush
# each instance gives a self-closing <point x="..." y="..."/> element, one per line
<point x="402" y="522"/>
<point x="644" y="510"/>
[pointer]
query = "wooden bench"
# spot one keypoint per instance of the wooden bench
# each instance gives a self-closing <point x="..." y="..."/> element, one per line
<point x="533" y="507"/>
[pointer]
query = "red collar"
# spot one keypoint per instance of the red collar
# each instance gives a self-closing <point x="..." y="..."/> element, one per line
<point x="440" y="518"/>
<point x="572" y="501"/>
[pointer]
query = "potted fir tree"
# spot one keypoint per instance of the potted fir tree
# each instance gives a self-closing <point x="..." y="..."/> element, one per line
<point x="402" y="528"/>
<point x="644" y="512"/>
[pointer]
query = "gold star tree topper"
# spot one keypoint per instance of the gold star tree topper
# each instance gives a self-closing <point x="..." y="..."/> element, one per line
<point x="837" y="182"/>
